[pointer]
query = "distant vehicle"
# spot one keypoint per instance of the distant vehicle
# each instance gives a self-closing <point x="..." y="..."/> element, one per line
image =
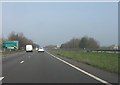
<point x="36" y="49"/>
<point x="40" y="50"/>
<point x="29" y="48"/>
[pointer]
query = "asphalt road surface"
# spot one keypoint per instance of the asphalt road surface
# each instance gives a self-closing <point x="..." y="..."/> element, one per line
<point x="34" y="67"/>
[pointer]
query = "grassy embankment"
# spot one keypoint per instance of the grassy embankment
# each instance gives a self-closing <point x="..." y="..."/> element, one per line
<point x="103" y="60"/>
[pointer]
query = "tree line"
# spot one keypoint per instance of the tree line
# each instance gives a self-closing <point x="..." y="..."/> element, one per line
<point x="23" y="41"/>
<point x="83" y="43"/>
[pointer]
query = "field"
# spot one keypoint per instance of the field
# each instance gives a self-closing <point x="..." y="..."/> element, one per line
<point x="103" y="60"/>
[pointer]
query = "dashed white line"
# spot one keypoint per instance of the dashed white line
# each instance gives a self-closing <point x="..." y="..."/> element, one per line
<point x="1" y="78"/>
<point x="87" y="73"/>
<point x="22" y="62"/>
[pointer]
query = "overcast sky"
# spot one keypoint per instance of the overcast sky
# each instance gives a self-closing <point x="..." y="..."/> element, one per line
<point x="55" y="23"/>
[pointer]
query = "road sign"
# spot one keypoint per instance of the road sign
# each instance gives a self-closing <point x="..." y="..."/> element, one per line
<point x="12" y="45"/>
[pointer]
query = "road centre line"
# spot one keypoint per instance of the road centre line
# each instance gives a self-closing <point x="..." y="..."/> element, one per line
<point x="1" y="78"/>
<point x="87" y="73"/>
<point x="22" y="62"/>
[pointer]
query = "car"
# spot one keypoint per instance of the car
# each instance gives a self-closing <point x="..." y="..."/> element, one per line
<point x="36" y="49"/>
<point x="40" y="50"/>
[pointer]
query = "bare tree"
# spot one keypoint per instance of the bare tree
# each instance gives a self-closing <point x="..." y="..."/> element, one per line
<point x="84" y="42"/>
<point x="21" y="38"/>
<point x="89" y="43"/>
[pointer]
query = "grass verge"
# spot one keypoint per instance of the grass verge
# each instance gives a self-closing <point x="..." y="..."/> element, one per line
<point x="103" y="60"/>
<point x="4" y="54"/>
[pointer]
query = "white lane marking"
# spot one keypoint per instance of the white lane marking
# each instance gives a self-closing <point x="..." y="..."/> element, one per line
<point x="87" y="73"/>
<point x="1" y="78"/>
<point x="22" y="62"/>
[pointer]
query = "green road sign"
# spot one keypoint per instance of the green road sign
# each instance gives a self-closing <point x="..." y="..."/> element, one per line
<point x="10" y="45"/>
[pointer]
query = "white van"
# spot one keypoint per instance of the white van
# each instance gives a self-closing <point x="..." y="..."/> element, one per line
<point x="29" y="48"/>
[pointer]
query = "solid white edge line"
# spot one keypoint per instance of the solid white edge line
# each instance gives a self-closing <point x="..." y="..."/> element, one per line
<point x="62" y="1"/>
<point x="22" y="62"/>
<point x="1" y="78"/>
<point x="87" y="73"/>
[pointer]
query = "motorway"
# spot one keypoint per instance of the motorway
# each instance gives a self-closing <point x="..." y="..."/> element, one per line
<point x="34" y="67"/>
